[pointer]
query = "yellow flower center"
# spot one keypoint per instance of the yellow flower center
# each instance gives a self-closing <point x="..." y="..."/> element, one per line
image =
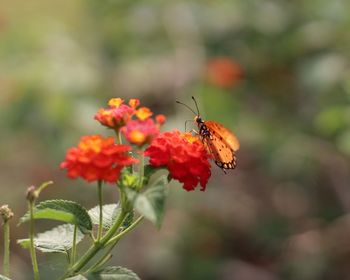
<point x="137" y="137"/>
<point x="91" y="145"/>
<point x="189" y="137"/>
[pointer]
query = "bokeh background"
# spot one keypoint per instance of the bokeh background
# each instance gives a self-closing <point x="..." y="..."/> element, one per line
<point x="275" y="72"/>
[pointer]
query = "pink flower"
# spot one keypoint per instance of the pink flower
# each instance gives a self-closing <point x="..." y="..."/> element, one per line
<point x="118" y="114"/>
<point x="140" y="132"/>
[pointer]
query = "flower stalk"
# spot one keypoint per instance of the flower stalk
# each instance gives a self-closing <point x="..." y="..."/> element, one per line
<point x="112" y="243"/>
<point x="100" y="203"/>
<point x="119" y="137"/>
<point x="100" y="244"/>
<point x="74" y="245"/>
<point x="6" y="249"/>
<point x="31" y="238"/>
<point x="6" y="214"/>
<point x="97" y="246"/>
<point x="142" y="169"/>
<point x="116" y="238"/>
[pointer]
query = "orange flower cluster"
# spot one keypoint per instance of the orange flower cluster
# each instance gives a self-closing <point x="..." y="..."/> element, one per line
<point x="140" y="130"/>
<point x="118" y="114"/>
<point x="97" y="159"/>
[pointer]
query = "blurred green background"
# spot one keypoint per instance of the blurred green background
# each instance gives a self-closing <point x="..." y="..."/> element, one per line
<point x="282" y="214"/>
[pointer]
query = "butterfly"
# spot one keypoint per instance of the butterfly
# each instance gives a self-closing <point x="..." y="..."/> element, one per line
<point x="219" y="141"/>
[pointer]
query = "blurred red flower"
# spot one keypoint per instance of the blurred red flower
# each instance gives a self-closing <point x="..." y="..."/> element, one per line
<point x="223" y="72"/>
<point x="184" y="156"/>
<point x="97" y="158"/>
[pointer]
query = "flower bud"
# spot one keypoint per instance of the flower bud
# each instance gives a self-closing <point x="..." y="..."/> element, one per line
<point x="32" y="194"/>
<point x="6" y="213"/>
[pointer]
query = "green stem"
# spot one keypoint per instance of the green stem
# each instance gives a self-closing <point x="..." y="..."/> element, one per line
<point x="74" y="245"/>
<point x="106" y="257"/>
<point x="97" y="246"/>
<point x="31" y="237"/>
<point x="100" y="198"/>
<point x="112" y="243"/>
<point x="92" y="237"/>
<point x="120" y="235"/>
<point x="142" y="169"/>
<point x="119" y="136"/>
<point x="83" y="261"/>
<point x="7" y="249"/>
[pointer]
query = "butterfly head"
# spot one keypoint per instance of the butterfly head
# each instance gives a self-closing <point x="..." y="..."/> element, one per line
<point x="198" y="119"/>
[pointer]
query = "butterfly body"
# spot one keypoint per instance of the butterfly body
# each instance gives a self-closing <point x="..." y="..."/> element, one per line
<point x="220" y="142"/>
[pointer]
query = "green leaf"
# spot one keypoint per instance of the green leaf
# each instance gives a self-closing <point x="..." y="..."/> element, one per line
<point x="112" y="273"/>
<point x="56" y="240"/>
<point x="151" y="202"/>
<point x="110" y="213"/>
<point x="62" y="210"/>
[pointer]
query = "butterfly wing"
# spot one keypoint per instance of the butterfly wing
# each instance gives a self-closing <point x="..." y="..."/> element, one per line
<point x="224" y="157"/>
<point x="220" y="143"/>
<point x="224" y="134"/>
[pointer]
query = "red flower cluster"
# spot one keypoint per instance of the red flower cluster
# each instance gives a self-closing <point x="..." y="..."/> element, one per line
<point x="97" y="158"/>
<point x="224" y="72"/>
<point x="184" y="156"/>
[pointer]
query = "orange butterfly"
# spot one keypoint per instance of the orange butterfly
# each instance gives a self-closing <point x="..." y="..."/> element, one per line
<point x="220" y="142"/>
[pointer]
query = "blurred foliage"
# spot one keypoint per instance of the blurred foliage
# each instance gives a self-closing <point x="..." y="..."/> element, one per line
<point x="283" y="214"/>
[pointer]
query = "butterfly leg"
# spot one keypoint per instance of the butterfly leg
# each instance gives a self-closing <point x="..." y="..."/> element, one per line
<point x="186" y="121"/>
<point x="195" y="132"/>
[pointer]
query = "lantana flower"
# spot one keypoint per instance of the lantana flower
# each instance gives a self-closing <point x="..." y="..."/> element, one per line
<point x="118" y="113"/>
<point x="141" y="132"/>
<point x="97" y="159"/>
<point x="183" y="155"/>
<point x="143" y="113"/>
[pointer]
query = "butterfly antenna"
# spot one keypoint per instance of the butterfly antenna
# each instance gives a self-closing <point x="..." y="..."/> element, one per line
<point x="188" y="107"/>
<point x="195" y="102"/>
